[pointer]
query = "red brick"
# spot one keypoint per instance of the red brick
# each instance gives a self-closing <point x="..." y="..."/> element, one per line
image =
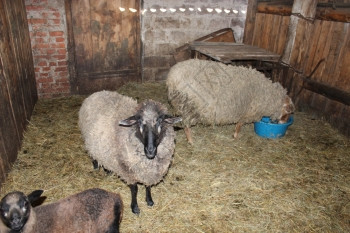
<point x="39" y="40"/>
<point x="42" y="63"/>
<point x="42" y="45"/>
<point x="58" y="45"/>
<point x="55" y="21"/>
<point x="59" y="57"/>
<point x="61" y="68"/>
<point x="38" y="57"/>
<point x="56" y="33"/>
<point x="44" y="74"/>
<point x="34" y="8"/>
<point x="62" y="63"/>
<point x="46" y="69"/>
<point x="37" y="21"/>
<point x="45" y="80"/>
<point x="39" y="34"/>
<point x="59" y="39"/>
<point x="51" y="51"/>
<point x="51" y="63"/>
<point x="61" y="51"/>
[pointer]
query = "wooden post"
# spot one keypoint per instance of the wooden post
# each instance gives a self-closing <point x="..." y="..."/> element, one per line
<point x="250" y="22"/>
<point x="298" y="30"/>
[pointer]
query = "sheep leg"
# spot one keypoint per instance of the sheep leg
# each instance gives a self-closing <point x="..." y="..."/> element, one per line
<point x="149" y="196"/>
<point x="188" y="134"/>
<point x="238" y="128"/>
<point x="95" y="164"/>
<point x="134" y="206"/>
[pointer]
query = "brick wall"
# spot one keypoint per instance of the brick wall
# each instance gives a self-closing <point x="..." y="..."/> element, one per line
<point x="47" y="26"/>
<point x="162" y="32"/>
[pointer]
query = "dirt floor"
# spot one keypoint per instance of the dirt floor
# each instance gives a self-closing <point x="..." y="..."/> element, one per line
<point x="298" y="183"/>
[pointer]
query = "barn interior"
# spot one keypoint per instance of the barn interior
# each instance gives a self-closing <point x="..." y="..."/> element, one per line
<point x="56" y="53"/>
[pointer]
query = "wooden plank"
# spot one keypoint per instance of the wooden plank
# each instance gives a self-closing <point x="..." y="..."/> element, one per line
<point x="258" y="29"/>
<point x="249" y="28"/>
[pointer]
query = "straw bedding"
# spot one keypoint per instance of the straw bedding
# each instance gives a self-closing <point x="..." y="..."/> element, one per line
<point x="299" y="183"/>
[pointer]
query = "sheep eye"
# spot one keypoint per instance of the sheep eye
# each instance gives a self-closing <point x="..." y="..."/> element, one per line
<point x="141" y="128"/>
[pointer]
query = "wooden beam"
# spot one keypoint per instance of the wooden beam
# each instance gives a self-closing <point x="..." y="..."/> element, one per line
<point x="340" y="14"/>
<point x="327" y="91"/>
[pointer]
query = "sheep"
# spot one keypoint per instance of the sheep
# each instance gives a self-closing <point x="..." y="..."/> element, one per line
<point x="136" y="142"/>
<point x="213" y="93"/>
<point x="93" y="210"/>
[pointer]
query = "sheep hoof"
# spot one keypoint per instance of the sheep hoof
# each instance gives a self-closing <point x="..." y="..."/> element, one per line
<point x="135" y="209"/>
<point x="150" y="202"/>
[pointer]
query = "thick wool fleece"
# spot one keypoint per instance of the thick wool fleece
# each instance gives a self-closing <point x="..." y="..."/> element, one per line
<point x="116" y="147"/>
<point x="213" y="93"/>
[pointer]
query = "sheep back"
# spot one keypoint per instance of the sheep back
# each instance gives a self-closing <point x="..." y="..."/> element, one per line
<point x="213" y="93"/>
<point x="117" y="148"/>
<point x="93" y="210"/>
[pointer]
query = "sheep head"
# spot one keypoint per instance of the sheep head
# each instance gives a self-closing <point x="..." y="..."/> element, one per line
<point x="287" y="109"/>
<point x="15" y="209"/>
<point x="152" y="121"/>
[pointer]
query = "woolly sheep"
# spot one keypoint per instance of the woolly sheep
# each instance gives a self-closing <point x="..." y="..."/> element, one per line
<point x="134" y="141"/>
<point x="213" y="93"/>
<point x="93" y="210"/>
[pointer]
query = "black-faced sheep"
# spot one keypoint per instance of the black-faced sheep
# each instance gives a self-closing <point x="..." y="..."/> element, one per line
<point x="93" y="210"/>
<point x="213" y="93"/>
<point x="136" y="142"/>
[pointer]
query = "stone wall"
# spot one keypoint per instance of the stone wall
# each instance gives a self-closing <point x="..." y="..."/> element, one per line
<point x="163" y="29"/>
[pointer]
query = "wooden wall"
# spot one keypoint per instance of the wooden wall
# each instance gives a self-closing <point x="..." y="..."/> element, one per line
<point x="328" y="92"/>
<point x="18" y="93"/>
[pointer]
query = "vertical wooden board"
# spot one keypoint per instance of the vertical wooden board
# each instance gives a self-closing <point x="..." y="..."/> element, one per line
<point x="276" y="35"/>
<point x="131" y="28"/>
<point x="283" y="31"/>
<point x="82" y="36"/>
<point x="341" y="49"/>
<point x="315" y="36"/>
<point x="342" y="66"/>
<point x="333" y="55"/>
<point x="321" y="43"/>
<point x="266" y="31"/>
<point x="258" y="29"/>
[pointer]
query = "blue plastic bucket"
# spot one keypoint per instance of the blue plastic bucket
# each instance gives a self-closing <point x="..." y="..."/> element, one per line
<point x="267" y="129"/>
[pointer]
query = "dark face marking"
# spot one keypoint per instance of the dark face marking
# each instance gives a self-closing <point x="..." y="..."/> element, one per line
<point x="15" y="210"/>
<point x="150" y="132"/>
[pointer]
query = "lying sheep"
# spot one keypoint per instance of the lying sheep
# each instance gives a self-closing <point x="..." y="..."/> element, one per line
<point x="134" y="141"/>
<point x="93" y="210"/>
<point x="213" y="93"/>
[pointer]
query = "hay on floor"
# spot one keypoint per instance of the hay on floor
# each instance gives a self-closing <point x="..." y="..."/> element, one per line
<point x="299" y="183"/>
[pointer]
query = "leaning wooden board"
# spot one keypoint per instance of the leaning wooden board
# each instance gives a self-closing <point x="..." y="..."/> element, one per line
<point x="226" y="52"/>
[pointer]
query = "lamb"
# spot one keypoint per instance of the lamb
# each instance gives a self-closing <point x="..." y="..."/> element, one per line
<point x="136" y="142"/>
<point x="93" y="210"/>
<point x="213" y="93"/>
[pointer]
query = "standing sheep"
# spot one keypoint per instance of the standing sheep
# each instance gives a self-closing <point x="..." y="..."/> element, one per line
<point x="93" y="210"/>
<point x="134" y="141"/>
<point x="213" y="93"/>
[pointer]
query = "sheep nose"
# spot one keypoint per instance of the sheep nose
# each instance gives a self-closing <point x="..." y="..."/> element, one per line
<point x="150" y="152"/>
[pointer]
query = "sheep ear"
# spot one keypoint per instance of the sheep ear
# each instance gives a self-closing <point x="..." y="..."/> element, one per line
<point x="129" y="121"/>
<point x="171" y="120"/>
<point x="35" y="195"/>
